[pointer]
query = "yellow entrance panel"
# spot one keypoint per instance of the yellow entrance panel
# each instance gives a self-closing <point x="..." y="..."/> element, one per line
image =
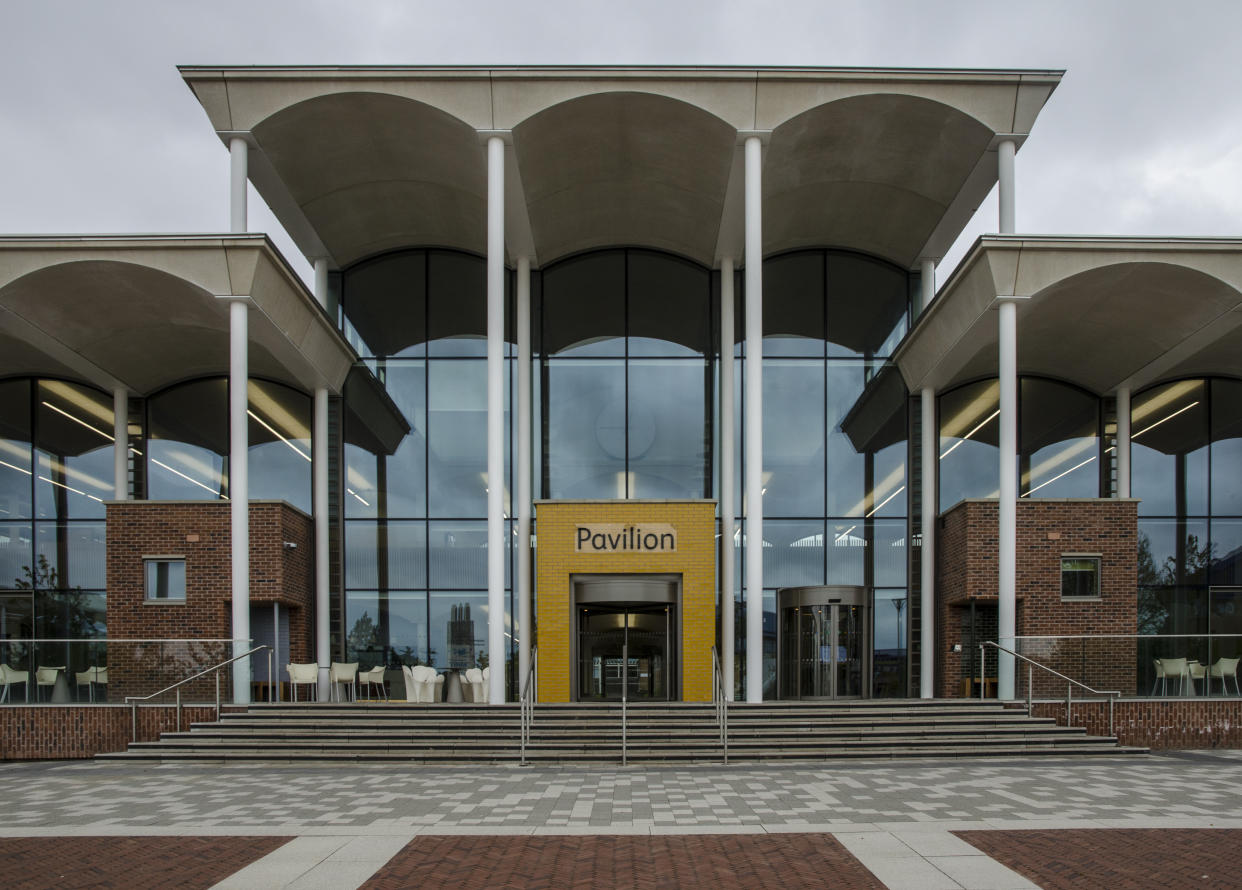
<point x="625" y="537"/>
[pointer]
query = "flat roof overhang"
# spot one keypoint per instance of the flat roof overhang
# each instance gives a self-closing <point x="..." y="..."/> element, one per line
<point x="146" y="311"/>
<point x="355" y="161"/>
<point x="1102" y="313"/>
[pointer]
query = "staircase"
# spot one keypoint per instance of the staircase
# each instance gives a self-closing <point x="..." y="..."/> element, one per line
<point x="675" y="733"/>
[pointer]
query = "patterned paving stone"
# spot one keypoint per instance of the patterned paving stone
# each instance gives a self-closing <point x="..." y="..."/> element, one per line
<point x="636" y="862"/>
<point x="1119" y="859"/>
<point x="131" y="863"/>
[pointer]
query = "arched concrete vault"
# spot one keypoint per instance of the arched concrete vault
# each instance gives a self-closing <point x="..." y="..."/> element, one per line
<point x="382" y="172"/>
<point x="625" y="168"/>
<point x="875" y="173"/>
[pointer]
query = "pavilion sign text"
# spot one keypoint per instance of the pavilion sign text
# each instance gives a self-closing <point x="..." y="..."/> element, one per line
<point x="618" y="538"/>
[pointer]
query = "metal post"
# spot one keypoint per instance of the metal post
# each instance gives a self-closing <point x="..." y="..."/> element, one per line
<point x="239" y="493"/>
<point x="522" y="469"/>
<point x="133" y="719"/>
<point x="217" y="696"/>
<point x="271" y="666"/>
<point x="1030" y="671"/>
<point x="983" y="668"/>
<point x="1007" y="508"/>
<point x="1111" y="699"/>
<point x="625" y="682"/>
<point x="178" y="710"/>
<point x="238" y="175"/>
<point x="120" y="443"/>
<point x="1005" y="186"/>
<point x="1069" y="704"/>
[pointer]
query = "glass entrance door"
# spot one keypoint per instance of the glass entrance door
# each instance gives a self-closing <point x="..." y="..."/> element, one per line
<point x="624" y="646"/>
<point x="822" y="645"/>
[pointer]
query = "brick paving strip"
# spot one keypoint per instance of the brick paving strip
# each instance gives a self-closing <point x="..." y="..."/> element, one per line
<point x="131" y="863"/>
<point x="716" y="861"/>
<point x="1119" y="858"/>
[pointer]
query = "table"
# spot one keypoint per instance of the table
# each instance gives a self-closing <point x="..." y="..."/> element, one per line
<point x="970" y="687"/>
<point x="452" y="686"/>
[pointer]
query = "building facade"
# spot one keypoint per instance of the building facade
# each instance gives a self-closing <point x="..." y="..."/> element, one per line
<point x="636" y="369"/>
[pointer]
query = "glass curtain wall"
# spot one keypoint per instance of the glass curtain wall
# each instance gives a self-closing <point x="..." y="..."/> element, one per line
<point x="415" y="516"/>
<point x="187" y="442"/>
<point x="1186" y="466"/>
<point x="625" y="352"/>
<point x="834" y="478"/>
<point x="55" y="474"/>
<point x="1058" y="441"/>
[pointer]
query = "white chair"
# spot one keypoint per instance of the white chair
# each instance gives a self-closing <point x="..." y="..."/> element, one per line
<point x="89" y="678"/>
<point x="10" y="677"/>
<point x="373" y="677"/>
<point x="304" y="675"/>
<point x="425" y="683"/>
<point x="474" y="682"/>
<point x="46" y="676"/>
<point x="1223" y="669"/>
<point x="340" y="672"/>
<point x="1171" y="669"/>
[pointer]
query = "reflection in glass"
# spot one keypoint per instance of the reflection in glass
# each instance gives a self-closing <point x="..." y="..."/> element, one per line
<point x="386" y="629"/>
<point x="891" y="642"/>
<point x="1227" y="447"/>
<point x="457" y="304"/>
<point x="1059" y="445"/>
<point x="384" y="302"/>
<point x="386" y="555"/>
<point x="584" y="305"/>
<point x="667" y="436"/>
<point x="187" y="439"/>
<point x="793" y="304"/>
<point x="458" y="552"/>
<point x="75" y="551"/>
<point x="846" y="549"/>
<point x="868" y="301"/>
<point x="73" y="462"/>
<point x="16" y="549"/>
<point x="457" y="438"/>
<point x="15" y="453"/>
<point x="585" y="429"/>
<point x="279" y="457"/>
<point x="668" y="308"/>
<point x="968" y="430"/>
<point x="458" y="623"/>
<point x="1168" y="450"/>
<point x="393" y="485"/>
<point x="793" y="553"/>
<point x="793" y="437"/>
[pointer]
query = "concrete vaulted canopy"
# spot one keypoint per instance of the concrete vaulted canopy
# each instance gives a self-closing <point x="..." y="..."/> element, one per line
<point x="355" y="161"/>
<point x="385" y="172"/>
<point x="143" y="312"/>
<point x="1101" y="313"/>
<point x="625" y="168"/>
<point x="873" y="173"/>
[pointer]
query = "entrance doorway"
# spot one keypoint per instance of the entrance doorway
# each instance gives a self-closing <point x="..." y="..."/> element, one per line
<point x="823" y="643"/>
<point x="626" y="638"/>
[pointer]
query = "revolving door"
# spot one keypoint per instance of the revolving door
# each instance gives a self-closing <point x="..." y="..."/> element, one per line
<point x="823" y="643"/>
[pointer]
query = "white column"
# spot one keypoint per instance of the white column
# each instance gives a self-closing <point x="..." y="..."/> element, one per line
<point x="495" y="418"/>
<point x="522" y="465"/>
<point x="728" y="568"/>
<point x="1007" y="508"/>
<point x="319" y="502"/>
<point x="1004" y="160"/>
<point x="754" y="420"/>
<point x="927" y="553"/>
<point x="927" y="291"/>
<point x="239" y="493"/>
<point x="120" y="443"/>
<point x="237" y="184"/>
<point x="1123" y="442"/>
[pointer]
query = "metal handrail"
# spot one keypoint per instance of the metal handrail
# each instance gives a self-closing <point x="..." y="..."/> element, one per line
<point x="722" y="703"/>
<point x="625" y="683"/>
<point x="1030" y="671"/>
<point x="527" y="700"/>
<point x="133" y="700"/>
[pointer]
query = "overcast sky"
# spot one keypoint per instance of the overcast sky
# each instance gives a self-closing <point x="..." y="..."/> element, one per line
<point x="99" y="134"/>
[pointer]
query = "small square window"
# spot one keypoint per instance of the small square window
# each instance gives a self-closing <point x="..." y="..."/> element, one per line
<point x="165" y="579"/>
<point x="1080" y="577"/>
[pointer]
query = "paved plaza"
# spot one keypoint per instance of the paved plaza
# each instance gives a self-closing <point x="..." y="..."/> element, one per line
<point x="1165" y="820"/>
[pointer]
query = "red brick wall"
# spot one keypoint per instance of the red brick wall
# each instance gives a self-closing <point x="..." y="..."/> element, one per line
<point x="55" y="732"/>
<point x="199" y="531"/>
<point x="967" y="569"/>
<point x="1156" y="723"/>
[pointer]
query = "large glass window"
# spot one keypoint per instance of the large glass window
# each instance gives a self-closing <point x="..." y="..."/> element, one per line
<point x="968" y="451"/>
<point x="626" y="386"/>
<point x="73" y="451"/>
<point x="416" y="505"/>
